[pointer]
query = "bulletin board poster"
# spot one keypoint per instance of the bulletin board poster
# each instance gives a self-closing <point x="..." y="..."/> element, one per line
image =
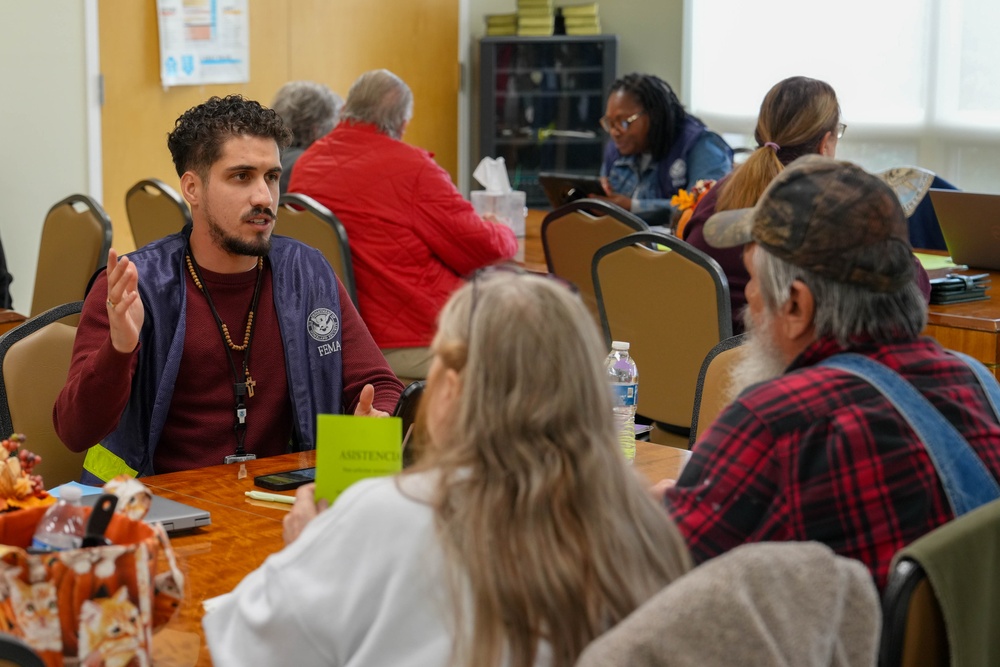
<point x="203" y="41"/>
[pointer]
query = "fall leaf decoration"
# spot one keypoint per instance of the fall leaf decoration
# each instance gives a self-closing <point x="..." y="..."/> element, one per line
<point x="685" y="202"/>
<point x="19" y="488"/>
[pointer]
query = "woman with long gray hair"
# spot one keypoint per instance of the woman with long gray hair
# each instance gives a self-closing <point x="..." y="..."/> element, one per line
<point x="519" y="536"/>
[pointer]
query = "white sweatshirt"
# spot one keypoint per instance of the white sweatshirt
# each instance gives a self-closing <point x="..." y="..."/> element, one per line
<point x="361" y="586"/>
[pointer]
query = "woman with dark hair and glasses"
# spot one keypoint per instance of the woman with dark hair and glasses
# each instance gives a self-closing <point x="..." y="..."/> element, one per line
<point x="519" y="535"/>
<point x="656" y="147"/>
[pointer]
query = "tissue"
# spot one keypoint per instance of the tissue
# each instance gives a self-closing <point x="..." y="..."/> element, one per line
<point x="498" y="199"/>
<point x="492" y="175"/>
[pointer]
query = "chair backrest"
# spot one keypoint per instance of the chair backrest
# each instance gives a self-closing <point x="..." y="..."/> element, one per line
<point x="711" y="390"/>
<point x="766" y="603"/>
<point x="406" y="409"/>
<point x="913" y="632"/>
<point x="942" y="598"/>
<point x="34" y="363"/>
<point x="154" y="210"/>
<point x="671" y="302"/>
<point x="302" y="217"/>
<point x="14" y="652"/>
<point x="571" y="235"/>
<point x="76" y="238"/>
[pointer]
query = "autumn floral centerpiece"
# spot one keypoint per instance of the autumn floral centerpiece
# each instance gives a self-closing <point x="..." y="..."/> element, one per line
<point x="19" y="488"/>
<point x="684" y="203"/>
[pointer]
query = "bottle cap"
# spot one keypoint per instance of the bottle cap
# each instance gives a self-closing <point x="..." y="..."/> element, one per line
<point x="71" y="494"/>
<point x="619" y="345"/>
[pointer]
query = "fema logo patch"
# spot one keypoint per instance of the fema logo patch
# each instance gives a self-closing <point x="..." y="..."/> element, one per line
<point x="678" y="171"/>
<point x="323" y="324"/>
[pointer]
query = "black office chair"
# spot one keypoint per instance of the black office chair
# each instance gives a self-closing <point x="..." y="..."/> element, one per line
<point x="406" y="409"/>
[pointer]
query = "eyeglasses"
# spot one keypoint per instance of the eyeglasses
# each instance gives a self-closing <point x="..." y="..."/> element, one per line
<point x="621" y="125"/>
<point x="841" y="128"/>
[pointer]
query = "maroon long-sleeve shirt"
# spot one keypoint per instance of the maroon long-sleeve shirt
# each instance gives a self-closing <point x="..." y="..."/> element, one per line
<point x="199" y="427"/>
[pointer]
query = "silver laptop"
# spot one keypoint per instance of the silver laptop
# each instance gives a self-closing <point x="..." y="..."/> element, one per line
<point x="970" y="223"/>
<point x="173" y="515"/>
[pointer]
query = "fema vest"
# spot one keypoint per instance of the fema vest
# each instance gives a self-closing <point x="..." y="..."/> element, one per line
<point x="670" y="180"/>
<point x="306" y="298"/>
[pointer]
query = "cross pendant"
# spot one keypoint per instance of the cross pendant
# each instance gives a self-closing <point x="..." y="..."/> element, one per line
<point x="251" y="383"/>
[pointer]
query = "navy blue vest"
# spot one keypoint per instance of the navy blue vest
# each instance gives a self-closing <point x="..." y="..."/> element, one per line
<point x="307" y="301"/>
<point x="669" y="185"/>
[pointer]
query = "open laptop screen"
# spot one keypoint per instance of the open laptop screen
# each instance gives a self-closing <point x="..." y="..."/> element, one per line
<point x="970" y="224"/>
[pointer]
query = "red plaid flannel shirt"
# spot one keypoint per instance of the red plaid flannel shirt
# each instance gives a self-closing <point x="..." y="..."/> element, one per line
<point x="818" y="454"/>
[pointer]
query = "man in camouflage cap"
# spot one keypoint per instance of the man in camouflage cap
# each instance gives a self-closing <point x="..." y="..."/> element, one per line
<point x="807" y="451"/>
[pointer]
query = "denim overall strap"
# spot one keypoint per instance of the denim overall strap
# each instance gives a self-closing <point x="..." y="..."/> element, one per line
<point x="966" y="481"/>
<point x="986" y="380"/>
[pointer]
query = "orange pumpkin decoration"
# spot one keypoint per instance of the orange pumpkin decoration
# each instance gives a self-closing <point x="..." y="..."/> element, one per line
<point x="85" y="574"/>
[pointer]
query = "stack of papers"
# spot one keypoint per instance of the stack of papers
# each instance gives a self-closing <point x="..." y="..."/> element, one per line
<point x="581" y="19"/>
<point x="938" y="266"/>
<point x="535" y="18"/>
<point x="501" y="24"/>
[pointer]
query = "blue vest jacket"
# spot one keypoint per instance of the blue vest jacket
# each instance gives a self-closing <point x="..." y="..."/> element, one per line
<point x="307" y="301"/>
<point x="671" y="170"/>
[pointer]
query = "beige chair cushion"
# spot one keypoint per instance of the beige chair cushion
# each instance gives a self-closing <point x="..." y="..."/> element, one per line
<point x="34" y="371"/>
<point x="154" y="210"/>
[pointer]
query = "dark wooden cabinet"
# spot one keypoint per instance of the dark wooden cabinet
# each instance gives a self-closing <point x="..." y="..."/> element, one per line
<point x="541" y="99"/>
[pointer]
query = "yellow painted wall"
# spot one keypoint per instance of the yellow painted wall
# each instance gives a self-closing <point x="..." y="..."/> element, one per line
<point x="331" y="41"/>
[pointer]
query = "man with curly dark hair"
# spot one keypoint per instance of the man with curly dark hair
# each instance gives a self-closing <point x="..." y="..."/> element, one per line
<point x="219" y="342"/>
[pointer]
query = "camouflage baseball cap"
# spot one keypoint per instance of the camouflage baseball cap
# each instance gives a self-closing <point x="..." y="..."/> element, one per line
<point x="828" y="217"/>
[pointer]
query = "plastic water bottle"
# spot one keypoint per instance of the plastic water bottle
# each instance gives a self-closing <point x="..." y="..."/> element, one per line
<point x="625" y="382"/>
<point x="63" y="525"/>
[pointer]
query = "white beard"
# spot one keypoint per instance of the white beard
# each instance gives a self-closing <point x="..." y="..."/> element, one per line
<point x="760" y="359"/>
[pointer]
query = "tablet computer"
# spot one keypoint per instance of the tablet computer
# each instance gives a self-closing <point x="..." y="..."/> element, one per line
<point x="563" y="188"/>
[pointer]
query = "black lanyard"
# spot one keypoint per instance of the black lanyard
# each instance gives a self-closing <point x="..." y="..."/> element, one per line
<point x="243" y="386"/>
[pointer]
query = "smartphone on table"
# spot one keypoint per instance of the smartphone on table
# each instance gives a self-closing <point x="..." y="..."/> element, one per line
<point x="285" y="481"/>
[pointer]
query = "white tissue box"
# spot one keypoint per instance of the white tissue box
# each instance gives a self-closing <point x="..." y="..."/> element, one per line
<point x="508" y="207"/>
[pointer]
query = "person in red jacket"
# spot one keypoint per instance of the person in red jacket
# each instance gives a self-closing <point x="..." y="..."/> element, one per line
<point x="412" y="235"/>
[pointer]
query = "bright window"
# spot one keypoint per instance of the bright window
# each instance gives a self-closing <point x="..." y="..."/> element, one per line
<point x="918" y="80"/>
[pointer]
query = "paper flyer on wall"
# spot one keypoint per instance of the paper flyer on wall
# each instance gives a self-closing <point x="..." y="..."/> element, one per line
<point x="203" y="41"/>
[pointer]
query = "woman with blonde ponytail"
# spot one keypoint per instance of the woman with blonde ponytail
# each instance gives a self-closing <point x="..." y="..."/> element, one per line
<point x="798" y="116"/>
<point x="520" y="535"/>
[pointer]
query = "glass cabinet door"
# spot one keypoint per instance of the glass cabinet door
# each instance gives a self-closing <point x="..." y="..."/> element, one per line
<point x="541" y="100"/>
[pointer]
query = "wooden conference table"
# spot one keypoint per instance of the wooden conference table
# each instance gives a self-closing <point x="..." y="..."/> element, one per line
<point x="244" y="532"/>
<point x="973" y="328"/>
<point x="10" y="319"/>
